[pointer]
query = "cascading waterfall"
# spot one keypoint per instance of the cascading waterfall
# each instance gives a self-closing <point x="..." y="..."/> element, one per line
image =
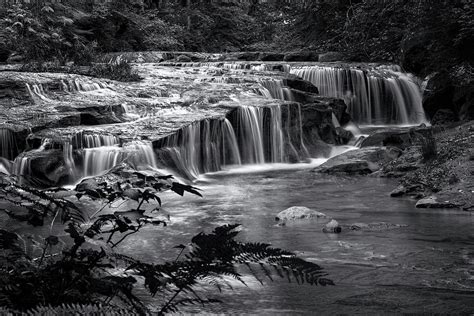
<point x="77" y="85"/>
<point x="99" y="160"/>
<point x="249" y="135"/>
<point x="275" y="89"/>
<point x="200" y="147"/>
<point x="8" y="145"/>
<point x="37" y="92"/>
<point x="378" y="96"/>
<point x="92" y="140"/>
<point x="22" y="164"/>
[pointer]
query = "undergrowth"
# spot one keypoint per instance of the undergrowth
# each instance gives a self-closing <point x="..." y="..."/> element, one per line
<point x="83" y="268"/>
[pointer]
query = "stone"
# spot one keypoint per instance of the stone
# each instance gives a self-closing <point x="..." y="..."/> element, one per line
<point x="433" y="202"/>
<point x="297" y="213"/>
<point x="183" y="59"/>
<point x="398" y="191"/>
<point x="380" y="226"/>
<point x="360" y="161"/>
<point x="301" y="85"/>
<point x="332" y="227"/>
<point x="401" y="137"/>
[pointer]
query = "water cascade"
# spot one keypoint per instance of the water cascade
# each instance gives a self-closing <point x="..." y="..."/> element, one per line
<point x="78" y="85"/>
<point x="248" y="135"/>
<point x="86" y="140"/>
<point x="99" y="160"/>
<point x="37" y="92"/>
<point x="200" y="147"/>
<point x="275" y="89"/>
<point x="378" y="96"/>
<point x="8" y="145"/>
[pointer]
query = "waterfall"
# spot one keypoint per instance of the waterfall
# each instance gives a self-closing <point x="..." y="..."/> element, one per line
<point x="377" y="96"/>
<point x="275" y="89"/>
<point x="8" y="145"/>
<point x="86" y="140"/>
<point x="79" y="85"/>
<point x="248" y="135"/>
<point x="99" y="160"/>
<point x="200" y="147"/>
<point x="37" y="92"/>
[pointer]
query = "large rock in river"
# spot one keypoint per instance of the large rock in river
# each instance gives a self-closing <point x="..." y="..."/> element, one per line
<point x="360" y="161"/>
<point x="298" y="212"/>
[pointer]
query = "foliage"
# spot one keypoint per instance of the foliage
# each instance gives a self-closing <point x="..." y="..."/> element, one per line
<point x="83" y="268"/>
<point x="117" y="70"/>
<point x="42" y="36"/>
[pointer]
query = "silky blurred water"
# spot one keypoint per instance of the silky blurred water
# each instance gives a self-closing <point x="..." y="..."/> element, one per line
<point x="424" y="266"/>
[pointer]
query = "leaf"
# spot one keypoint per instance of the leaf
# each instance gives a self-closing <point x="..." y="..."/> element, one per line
<point x="52" y="240"/>
<point x="133" y="194"/>
<point x="181" y="188"/>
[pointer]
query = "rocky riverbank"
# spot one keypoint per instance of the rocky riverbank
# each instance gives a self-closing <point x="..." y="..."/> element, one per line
<point x="445" y="180"/>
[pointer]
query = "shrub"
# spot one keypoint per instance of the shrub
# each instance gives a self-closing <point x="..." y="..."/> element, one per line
<point x="80" y="269"/>
<point x="119" y="70"/>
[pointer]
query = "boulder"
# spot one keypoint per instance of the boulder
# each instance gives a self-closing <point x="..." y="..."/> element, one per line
<point x="332" y="227"/>
<point x="401" y="138"/>
<point x="183" y="59"/>
<point x="301" y="85"/>
<point x="318" y="123"/>
<point x="433" y="202"/>
<point x="297" y="213"/>
<point x="360" y="161"/>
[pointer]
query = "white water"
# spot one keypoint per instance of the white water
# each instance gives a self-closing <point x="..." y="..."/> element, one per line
<point x="381" y="96"/>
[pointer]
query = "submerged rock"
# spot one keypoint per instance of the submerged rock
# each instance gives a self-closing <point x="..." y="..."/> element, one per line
<point x="433" y="202"/>
<point x="298" y="212"/>
<point x="332" y="227"/>
<point x="381" y="226"/>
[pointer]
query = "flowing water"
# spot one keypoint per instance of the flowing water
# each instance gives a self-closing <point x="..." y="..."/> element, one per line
<point x="238" y="149"/>
<point x="426" y="264"/>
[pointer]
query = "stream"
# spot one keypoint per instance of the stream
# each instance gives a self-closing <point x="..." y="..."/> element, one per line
<point x="425" y="261"/>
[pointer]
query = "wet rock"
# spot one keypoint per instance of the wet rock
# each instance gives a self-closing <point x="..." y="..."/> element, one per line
<point x="332" y="227"/>
<point x="401" y="138"/>
<point x="399" y="191"/>
<point x="301" y="85"/>
<point x="371" y="227"/>
<point x="331" y="57"/>
<point x="433" y="202"/>
<point x="359" y="162"/>
<point x="297" y="213"/>
<point x="318" y="121"/>
<point x="183" y="59"/>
